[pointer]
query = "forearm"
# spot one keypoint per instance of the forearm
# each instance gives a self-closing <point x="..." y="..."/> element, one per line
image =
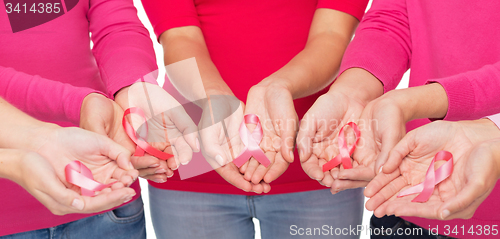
<point x="122" y="46"/>
<point x="311" y="70"/>
<point x="21" y="131"/>
<point x="317" y="65"/>
<point x="29" y="94"/>
<point x="184" y="43"/>
<point x="427" y="101"/>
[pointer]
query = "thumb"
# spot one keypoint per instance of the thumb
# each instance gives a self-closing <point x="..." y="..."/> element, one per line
<point x="96" y="126"/>
<point x="288" y="135"/>
<point x="212" y="148"/>
<point x="389" y="140"/>
<point x="398" y="152"/>
<point x="307" y="131"/>
<point x="464" y="198"/>
<point x="186" y="126"/>
<point x="115" y="152"/>
<point x="64" y="196"/>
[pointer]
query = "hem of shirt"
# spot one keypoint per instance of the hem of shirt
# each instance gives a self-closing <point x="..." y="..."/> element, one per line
<point x="163" y="26"/>
<point x="353" y="9"/>
<point x="230" y="189"/>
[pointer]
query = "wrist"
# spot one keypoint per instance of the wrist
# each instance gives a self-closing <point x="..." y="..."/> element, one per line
<point x="218" y="90"/>
<point x="358" y="84"/>
<point x="87" y="104"/>
<point x="40" y="136"/>
<point x="11" y="161"/>
<point x="480" y="130"/>
<point x="275" y="83"/>
<point x="403" y="101"/>
<point x="269" y="91"/>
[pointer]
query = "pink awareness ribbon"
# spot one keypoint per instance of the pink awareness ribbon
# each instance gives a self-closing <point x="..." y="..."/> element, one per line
<point x="432" y="178"/>
<point x="78" y="174"/>
<point x="251" y="140"/>
<point x="142" y="145"/>
<point x="345" y="152"/>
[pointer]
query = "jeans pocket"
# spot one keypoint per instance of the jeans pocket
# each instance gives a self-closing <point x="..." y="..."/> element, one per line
<point x="132" y="212"/>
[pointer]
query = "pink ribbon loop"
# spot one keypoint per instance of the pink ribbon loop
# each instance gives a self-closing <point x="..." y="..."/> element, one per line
<point x="345" y="152"/>
<point x="139" y="140"/>
<point x="251" y="140"/>
<point x="78" y="174"/>
<point x="432" y="178"/>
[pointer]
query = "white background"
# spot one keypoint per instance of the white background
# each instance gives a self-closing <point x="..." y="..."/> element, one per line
<point x="144" y="185"/>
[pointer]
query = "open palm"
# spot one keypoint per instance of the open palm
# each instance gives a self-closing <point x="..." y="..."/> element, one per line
<point x="276" y="112"/>
<point x="317" y="138"/>
<point x="108" y="161"/>
<point x="409" y="161"/>
<point x="382" y="125"/>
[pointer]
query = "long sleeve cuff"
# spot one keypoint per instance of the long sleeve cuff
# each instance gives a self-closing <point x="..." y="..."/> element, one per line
<point x="383" y="60"/>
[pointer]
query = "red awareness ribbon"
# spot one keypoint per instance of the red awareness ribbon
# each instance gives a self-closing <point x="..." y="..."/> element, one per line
<point x="142" y="145"/>
<point x="345" y="152"/>
<point x="78" y="174"/>
<point x="432" y="178"/>
<point x="251" y="140"/>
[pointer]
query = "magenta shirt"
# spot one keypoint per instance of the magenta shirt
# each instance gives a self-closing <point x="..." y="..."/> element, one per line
<point x="47" y="70"/>
<point x="452" y="42"/>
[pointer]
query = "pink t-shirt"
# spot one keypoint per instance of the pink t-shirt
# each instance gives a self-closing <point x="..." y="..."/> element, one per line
<point x="47" y="67"/>
<point x="452" y="42"/>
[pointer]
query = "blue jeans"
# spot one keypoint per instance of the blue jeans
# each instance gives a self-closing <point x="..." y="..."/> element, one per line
<point x="124" y="222"/>
<point x="187" y="215"/>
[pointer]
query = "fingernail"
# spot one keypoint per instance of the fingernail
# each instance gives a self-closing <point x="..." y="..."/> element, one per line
<point x="380" y="170"/>
<point x="154" y="165"/>
<point x="130" y="166"/>
<point x="184" y="163"/>
<point x="176" y="166"/>
<point x="197" y="144"/>
<point x="219" y="160"/>
<point x="291" y="155"/>
<point x="445" y="214"/>
<point x="161" y="170"/>
<point x="159" y="181"/>
<point x="170" y="176"/>
<point x="78" y="204"/>
<point x="127" y="198"/>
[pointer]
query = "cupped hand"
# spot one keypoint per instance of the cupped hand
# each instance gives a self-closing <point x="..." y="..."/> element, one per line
<point x="170" y="128"/>
<point x="382" y="125"/>
<point x="460" y="194"/>
<point x="274" y="107"/>
<point x="317" y="138"/>
<point x="104" y="116"/>
<point x="220" y="139"/>
<point x="108" y="161"/>
<point x="40" y="179"/>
